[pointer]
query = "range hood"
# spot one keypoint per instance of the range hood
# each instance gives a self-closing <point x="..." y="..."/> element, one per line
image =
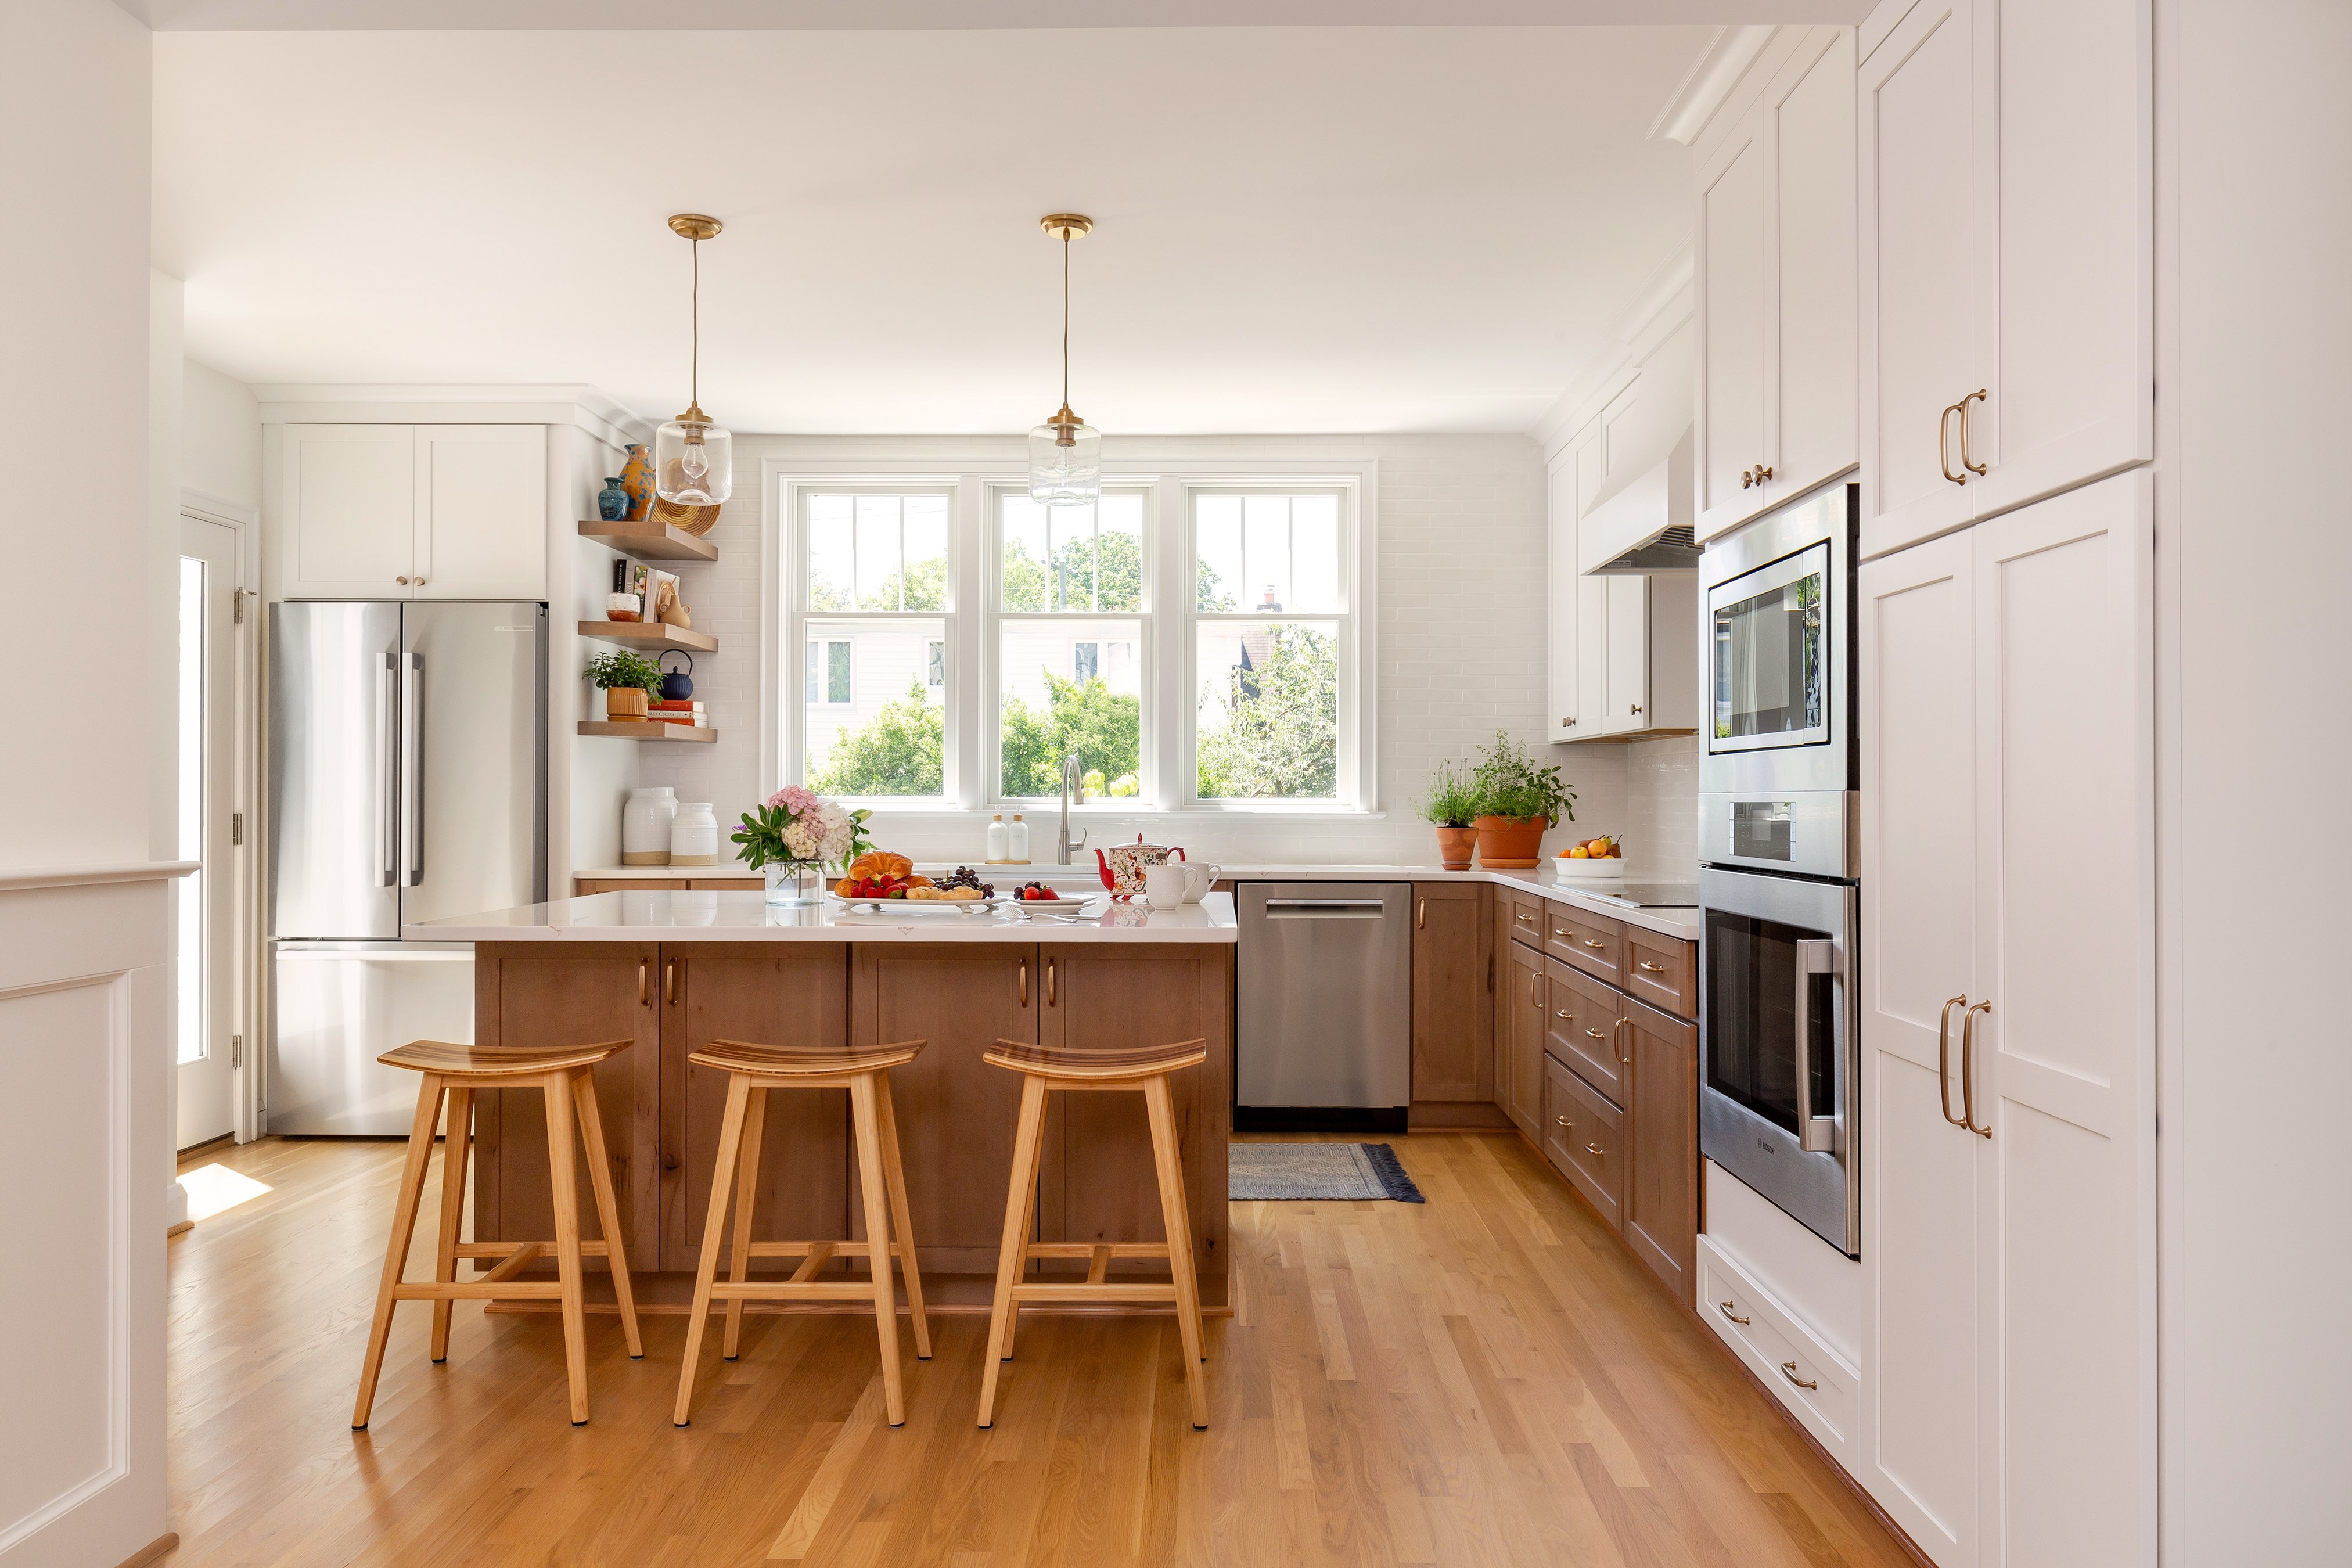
<point x="1645" y="527"/>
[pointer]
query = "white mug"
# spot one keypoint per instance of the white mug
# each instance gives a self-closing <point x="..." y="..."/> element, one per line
<point x="1198" y="880"/>
<point x="1164" y="885"/>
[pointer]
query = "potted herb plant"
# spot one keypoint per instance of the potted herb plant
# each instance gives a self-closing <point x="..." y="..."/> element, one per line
<point x="1517" y="801"/>
<point x="1452" y="805"/>
<point x="628" y="678"/>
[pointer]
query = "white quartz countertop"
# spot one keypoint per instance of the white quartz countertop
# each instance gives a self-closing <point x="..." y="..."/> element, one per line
<point x="711" y="915"/>
<point x="1678" y="921"/>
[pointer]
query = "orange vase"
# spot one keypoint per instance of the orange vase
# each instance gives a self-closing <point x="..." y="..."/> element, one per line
<point x="1510" y="843"/>
<point x="638" y="479"/>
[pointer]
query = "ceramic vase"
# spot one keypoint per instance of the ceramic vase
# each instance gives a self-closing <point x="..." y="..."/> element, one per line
<point x="638" y="479"/>
<point x="645" y="819"/>
<point x="613" y="501"/>
<point x="694" y="835"/>
<point x="1507" y="843"/>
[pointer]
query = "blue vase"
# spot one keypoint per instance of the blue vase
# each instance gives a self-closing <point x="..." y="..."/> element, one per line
<point x="613" y="501"/>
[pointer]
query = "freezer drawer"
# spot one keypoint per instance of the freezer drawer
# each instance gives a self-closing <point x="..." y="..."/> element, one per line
<point x="336" y="1006"/>
<point x="1323" y="989"/>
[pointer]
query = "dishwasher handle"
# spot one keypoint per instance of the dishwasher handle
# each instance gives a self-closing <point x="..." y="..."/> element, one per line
<point x="1323" y="909"/>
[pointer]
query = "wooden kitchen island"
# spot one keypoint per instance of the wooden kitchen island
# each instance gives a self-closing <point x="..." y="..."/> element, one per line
<point x="673" y="970"/>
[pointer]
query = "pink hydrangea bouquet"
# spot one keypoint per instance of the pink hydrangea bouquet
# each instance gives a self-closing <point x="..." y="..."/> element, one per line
<point x="794" y="827"/>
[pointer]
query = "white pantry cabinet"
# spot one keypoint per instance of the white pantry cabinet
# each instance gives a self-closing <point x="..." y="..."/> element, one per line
<point x="1775" y="291"/>
<point x="2006" y="248"/>
<point x="2007" y="1034"/>
<point x="413" y="511"/>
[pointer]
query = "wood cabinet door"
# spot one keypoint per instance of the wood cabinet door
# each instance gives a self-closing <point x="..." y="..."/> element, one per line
<point x="569" y="994"/>
<point x="1627" y="682"/>
<point x="763" y="992"/>
<point x="956" y="1114"/>
<point x="1811" y="374"/>
<point x="1097" y="1182"/>
<point x="1662" y="1169"/>
<point x="2064" y="1059"/>
<point x="348" y="494"/>
<point x="1729" y="341"/>
<point x="1450" y="928"/>
<point x="1525" y="1004"/>
<point x="481" y="512"/>
<point x="1920" y="1233"/>
<point x="1918" y="218"/>
<point x="1500" y="1015"/>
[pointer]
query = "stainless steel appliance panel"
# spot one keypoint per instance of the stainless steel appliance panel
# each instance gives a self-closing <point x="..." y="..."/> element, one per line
<point x="334" y="709"/>
<point x="1323" y="995"/>
<point x="1778" y="1022"/>
<point x="1810" y="832"/>
<point x="340" y="1005"/>
<point x="472" y="759"/>
<point x="1777" y="642"/>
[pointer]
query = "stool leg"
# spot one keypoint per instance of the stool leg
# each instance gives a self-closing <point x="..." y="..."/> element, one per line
<point x="1174" y="1215"/>
<point x="453" y="1209"/>
<point x="608" y="1208"/>
<point x="714" y="1225"/>
<point x="902" y="1228"/>
<point x="1013" y="1255"/>
<point x="875" y="1188"/>
<point x="1013" y="1309"/>
<point x="404" y="1230"/>
<point x="556" y="1086"/>
<point x="747" y="1184"/>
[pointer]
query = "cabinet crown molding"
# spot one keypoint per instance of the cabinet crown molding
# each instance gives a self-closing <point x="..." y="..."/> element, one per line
<point x="1709" y="81"/>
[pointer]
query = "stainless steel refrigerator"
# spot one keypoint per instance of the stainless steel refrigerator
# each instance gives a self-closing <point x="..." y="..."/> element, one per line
<point x="407" y="782"/>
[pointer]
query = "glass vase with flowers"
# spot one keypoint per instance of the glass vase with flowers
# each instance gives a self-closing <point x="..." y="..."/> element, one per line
<point x="792" y="835"/>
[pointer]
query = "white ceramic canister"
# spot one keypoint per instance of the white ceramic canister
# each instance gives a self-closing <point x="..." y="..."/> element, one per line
<point x="694" y="835"/>
<point x="644" y="826"/>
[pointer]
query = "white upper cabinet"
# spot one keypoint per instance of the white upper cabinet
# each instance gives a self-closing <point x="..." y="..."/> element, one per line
<point x="413" y="511"/>
<point x="1774" y="258"/>
<point x="1565" y="585"/>
<point x="2005" y="248"/>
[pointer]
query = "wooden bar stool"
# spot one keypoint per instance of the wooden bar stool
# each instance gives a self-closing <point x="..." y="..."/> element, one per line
<point x="1044" y="1069"/>
<point x="752" y="1070"/>
<point x="561" y="1074"/>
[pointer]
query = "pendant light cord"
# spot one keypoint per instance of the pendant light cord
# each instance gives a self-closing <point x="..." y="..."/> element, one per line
<point x="694" y="375"/>
<point x="1066" y="319"/>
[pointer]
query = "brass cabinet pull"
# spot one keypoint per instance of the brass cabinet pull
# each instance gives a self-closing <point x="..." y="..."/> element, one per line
<point x="1725" y="1308"/>
<point x="1944" y="1057"/>
<point x="1420" y="915"/>
<point x="1944" y="444"/>
<point x="1535" y="989"/>
<point x="1597" y="1033"/>
<point x="1559" y="933"/>
<point x="644" y="965"/>
<point x="1563" y="1121"/>
<point x="1591" y="941"/>
<point x="1566" y="723"/>
<point x="1050" y="965"/>
<point x="1565" y="1013"/>
<point x="1977" y="468"/>
<point x="1521" y="915"/>
<point x="1968" y="1069"/>
<point x="670" y="980"/>
<point x="1595" y="1149"/>
<point x="1616" y="1034"/>
<point x="1024" y="983"/>
<point x="1653" y="968"/>
<point x="1789" y="1370"/>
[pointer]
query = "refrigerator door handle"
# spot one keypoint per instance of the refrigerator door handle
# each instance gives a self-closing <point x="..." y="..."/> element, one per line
<point x="412" y="780"/>
<point x="387" y="831"/>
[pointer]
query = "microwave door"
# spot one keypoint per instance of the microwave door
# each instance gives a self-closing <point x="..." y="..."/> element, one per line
<point x="1769" y="655"/>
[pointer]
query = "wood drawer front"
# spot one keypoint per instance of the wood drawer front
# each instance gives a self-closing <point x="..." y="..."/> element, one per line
<point x="1523" y="914"/>
<point x="1661" y="970"/>
<point x="1580" y="1028"/>
<point x="1594" y="943"/>
<point x="1588" y="1134"/>
<point x="1781" y="1353"/>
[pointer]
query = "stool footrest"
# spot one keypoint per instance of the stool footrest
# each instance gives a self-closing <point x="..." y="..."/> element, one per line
<point x="479" y="1291"/>
<point x="793" y="1291"/>
<point x="1087" y="1249"/>
<point x="1114" y="1290"/>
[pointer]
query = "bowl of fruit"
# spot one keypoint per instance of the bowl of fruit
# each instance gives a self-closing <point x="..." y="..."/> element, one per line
<point x="1598" y="859"/>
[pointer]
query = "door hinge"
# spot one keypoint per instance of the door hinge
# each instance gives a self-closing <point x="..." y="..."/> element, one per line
<point x="236" y="607"/>
<point x="236" y="827"/>
<point x="236" y="1052"/>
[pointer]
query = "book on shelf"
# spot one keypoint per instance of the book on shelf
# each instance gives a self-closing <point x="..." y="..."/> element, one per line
<point x="693" y="721"/>
<point x="677" y="705"/>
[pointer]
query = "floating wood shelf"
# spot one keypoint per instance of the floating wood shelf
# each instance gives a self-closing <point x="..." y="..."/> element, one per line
<point x="649" y="729"/>
<point x="650" y="634"/>
<point x="650" y="540"/>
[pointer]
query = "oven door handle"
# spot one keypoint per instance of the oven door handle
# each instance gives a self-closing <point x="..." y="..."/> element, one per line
<point x="1815" y="955"/>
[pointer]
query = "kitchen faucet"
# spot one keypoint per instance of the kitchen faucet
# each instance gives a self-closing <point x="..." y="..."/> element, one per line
<point x="1072" y="777"/>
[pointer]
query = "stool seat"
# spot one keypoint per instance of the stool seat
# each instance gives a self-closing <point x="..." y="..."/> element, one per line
<point x="448" y="1060"/>
<point x="801" y="1061"/>
<point x="1066" y="1064"/>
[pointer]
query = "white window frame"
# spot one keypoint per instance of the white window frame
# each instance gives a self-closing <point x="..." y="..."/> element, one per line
<point x="1163" y="651"/>
<point x="850" y="643"/>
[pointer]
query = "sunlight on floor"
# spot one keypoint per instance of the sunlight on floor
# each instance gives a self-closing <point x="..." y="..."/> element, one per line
<point x="212" y="1188"/>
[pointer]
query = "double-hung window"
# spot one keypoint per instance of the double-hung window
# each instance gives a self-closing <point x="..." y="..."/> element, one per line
<point x="874" y="611"/>
<point x="1271" y="647"/>
<point x="1070" y="615"/>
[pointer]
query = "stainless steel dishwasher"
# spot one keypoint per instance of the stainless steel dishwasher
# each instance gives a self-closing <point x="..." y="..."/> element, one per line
<point x="1323" y="987"/>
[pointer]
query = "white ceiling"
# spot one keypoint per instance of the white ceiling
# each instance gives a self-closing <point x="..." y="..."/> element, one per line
<point x="1299" y="229"/>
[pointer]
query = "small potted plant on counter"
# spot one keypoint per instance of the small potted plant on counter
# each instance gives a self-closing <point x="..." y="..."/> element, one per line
<point x="1517" y="802"/>
<point x="1452" y="805"/>
<point x="628" y="680"/>
<point x="791" y="837"/>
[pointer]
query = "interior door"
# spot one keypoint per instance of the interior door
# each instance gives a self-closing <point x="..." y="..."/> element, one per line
<point x="205" y="923"/>
<point x="1921" y="1227"/>
<point x="1917" y="222"/>
<point x="1729" y="434"/>
<point x="2064" y="875"/>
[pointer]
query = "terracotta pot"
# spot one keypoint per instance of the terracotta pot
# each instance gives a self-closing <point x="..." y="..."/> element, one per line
<point x="1510" y="843"/>
<point x="625" y="702"/>
<point x="1453" y="846"/>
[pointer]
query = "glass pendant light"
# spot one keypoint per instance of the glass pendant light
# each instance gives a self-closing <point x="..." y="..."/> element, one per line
<point x="1065" y="452"/>
<point x="694" y="462"/>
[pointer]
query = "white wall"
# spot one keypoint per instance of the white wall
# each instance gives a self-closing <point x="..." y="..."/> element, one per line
<point x="1461" y="645"/>
<point x="220" y="436"/>
<point x="2255" y="331"/>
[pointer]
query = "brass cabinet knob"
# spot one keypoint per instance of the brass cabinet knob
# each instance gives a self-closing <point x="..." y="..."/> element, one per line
<point x="1636" y="708"/>
<point x="1762" y="473"/>
<point x="418" y="584"/>
<point x="401" y="581"/>
<point x="1746" y="478"/>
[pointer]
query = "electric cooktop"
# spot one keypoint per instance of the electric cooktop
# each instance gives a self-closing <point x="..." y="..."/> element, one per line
<point x="1648" y="895"/>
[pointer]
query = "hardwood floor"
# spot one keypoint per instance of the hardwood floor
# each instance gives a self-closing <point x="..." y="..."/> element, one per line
<point x="1487" y="1378"/>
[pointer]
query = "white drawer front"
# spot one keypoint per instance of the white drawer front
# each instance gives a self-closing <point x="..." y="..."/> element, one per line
<point x="1781" y="1351"/>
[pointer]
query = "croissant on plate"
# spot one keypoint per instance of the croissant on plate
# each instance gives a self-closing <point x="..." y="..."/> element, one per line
<point x="880" y="863"/>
